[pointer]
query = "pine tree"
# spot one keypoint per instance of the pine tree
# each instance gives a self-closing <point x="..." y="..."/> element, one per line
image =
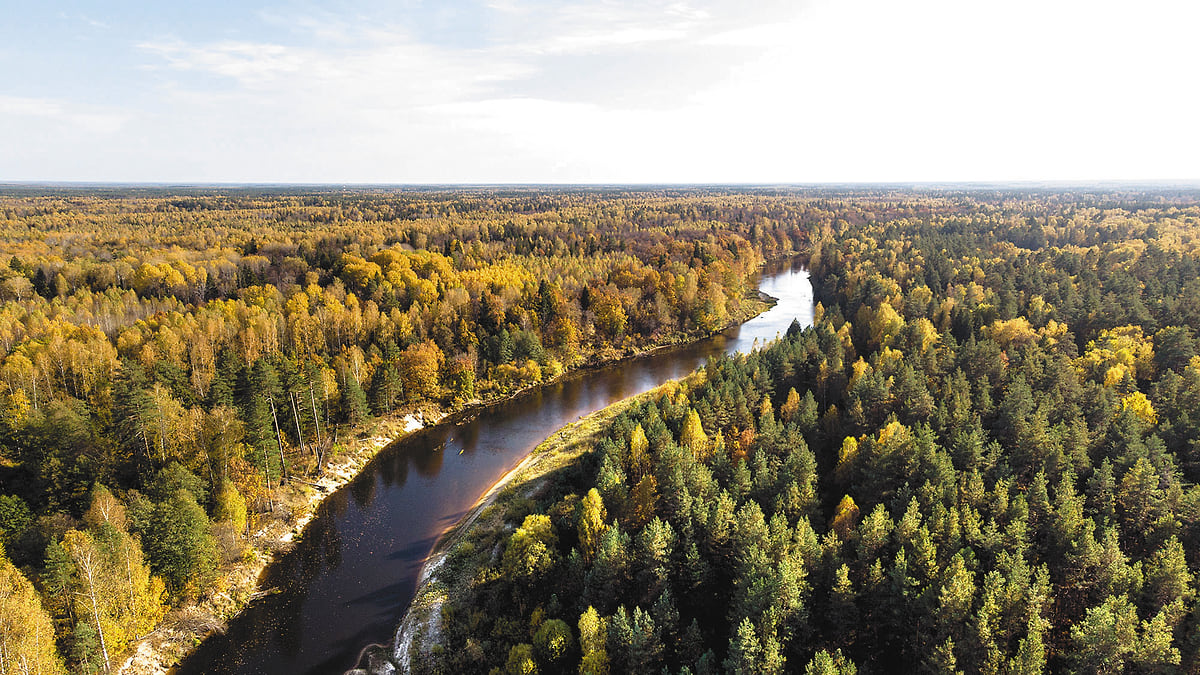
<point x="824" y="663"/>
<point x="610" y="570"/>
<point x="58" y="578"/>
<point x="385" y="388"/>
<point x="1105" y="638"/>
<point x="745" y="651"/>
<point x="941" y="660"/>
<point x="180" y="546"/>
<point x="1168" y="577"/>
<point x="15" y="518"/>
<point x="654" y="545"/>
<point x="354" y="402"/>
<point x="806" y="416"/>
<point x="843" y="613"/>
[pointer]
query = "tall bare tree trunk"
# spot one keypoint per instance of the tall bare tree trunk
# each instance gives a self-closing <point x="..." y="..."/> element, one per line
<point x="296" y="418"/>
<point x="279" y="440"/>
<point x="86" y="564"/>
<point x="313" y="397"/>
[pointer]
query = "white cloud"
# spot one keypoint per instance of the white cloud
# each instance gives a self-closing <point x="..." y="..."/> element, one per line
<point x="594" y="41"/>
<point x="382" y="65"/>
<point x="826" y="90"/>
<point x="68" y="115"/>
<point x="85" y="19"/>
<point x="249" y="63"/>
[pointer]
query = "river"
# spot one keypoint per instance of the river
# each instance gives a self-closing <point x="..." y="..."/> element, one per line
<point x="349" y="580"/>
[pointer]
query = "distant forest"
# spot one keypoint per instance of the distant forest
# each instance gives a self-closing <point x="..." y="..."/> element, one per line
<point x="983" y="458"/>
<point x="170" y="360"/>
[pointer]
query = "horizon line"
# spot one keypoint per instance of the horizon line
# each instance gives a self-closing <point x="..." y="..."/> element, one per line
<point x="1188" y="183"/>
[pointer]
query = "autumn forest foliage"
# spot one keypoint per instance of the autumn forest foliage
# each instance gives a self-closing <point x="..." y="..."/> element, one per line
<point x="170" y="359"/>
<point x="982" y="458"/>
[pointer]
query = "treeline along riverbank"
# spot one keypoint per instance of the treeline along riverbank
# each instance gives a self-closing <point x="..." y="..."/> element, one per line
<point x="983" y="457"/>
<point x="191" y="357"/>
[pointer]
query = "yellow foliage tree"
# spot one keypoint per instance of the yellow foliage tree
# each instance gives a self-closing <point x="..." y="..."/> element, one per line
<point x="1139" y="405"/>
<point x="845" y="518"/>
<point x="93" y="594"/>
<point x="1117" y="351"/>
<point x="693" y="437"/>
<point x="593" y="632"/>
<point x="114" y="590"/>
<point x="847" y="456"/>
<point x="419" y="366"/>
<point x="610" y="316"/>
<point x="928" y="333"/>
<point x="26" y="631"/>
<point x="591" y="523"/>
<point x="639" y="460"/>
<point x="1012" y="333"/>
<point x="885" y="324"/>
<point x="645" y="498"/>
<point x="857" y="370"/>
<point x="892" y="435"/>
<point x="790" y="406"/>
<point x="230" y="506"/>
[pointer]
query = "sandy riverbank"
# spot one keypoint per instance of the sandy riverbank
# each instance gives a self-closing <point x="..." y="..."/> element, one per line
<point x="418" y="630"/>
<point x="185" y="627"/>
<point x="419" y="626"/>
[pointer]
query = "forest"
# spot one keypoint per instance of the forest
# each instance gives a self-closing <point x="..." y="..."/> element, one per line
<point x="171" y="362"/>
<point x="982" y="458"/>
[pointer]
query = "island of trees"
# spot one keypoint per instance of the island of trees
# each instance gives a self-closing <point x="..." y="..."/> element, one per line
<point x="174" y="363"/>
<point x="982" y="458"/>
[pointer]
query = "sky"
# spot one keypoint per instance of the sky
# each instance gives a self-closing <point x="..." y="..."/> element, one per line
<point x="644" y="91"/>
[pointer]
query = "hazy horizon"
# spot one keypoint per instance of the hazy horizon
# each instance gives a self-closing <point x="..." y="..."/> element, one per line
<point x="1141" y="184"/>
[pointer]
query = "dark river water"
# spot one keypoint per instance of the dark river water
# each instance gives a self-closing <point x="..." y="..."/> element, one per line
<point x="348" y="582"/>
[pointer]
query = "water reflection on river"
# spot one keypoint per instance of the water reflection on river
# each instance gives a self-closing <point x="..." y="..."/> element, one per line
<point x="348" y="582"/>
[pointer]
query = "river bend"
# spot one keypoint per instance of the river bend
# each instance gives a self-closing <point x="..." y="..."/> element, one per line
<point x="349" y="580"/>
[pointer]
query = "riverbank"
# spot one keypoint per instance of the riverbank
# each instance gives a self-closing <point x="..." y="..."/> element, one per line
<point x="563" y="447"/>
<point x="445" y="573"/>
<point x="186" y="627"/>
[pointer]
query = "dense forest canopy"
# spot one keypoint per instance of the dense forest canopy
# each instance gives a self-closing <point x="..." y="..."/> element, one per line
<point x="171" y="359"/>
<point x="982" y="458"/>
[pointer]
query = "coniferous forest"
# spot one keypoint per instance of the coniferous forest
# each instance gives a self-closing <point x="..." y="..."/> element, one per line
<point x="172" y="364"/>
<point x="983" y="458"/>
